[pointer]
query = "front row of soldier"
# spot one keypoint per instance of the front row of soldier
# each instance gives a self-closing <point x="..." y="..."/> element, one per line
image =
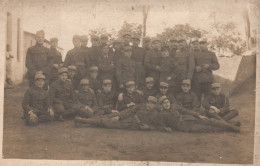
<point x="99" y="105"/>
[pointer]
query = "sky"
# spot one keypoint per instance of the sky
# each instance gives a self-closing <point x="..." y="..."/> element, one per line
<point x="64" y="18"/>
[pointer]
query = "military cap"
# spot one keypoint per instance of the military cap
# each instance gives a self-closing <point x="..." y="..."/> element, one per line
<point x="39" y="76"/>
<point x="164" y="84"/>
<point x="126" y="34"/>
<point x="215" y="85"/>
<point x="104" y="36"/>
<point x="76" y="37"/>
<point x="203" y="40"/>
<point x="72" y="68"/>
<point x="93" y="68"/>
<point x="127" y="48"/>
<point x="84" y="82"/>
<point x="162" y="98"/>
<point x="129" y="83"/>
<point x="152" y="99"/>
<point x="165" y="48"/>
<point x="84" y="38"/>
<point x="40" y="32"/>
<point x="154" y="39"/>
<point x="194" y="40"/>
<point x="136" y="36"/>
<point x="186" y="82"/>
<point x="63" y="70"/>
<point x="149" y="79"/>
<point x="94" y="37"/>
<point x="53" y="39"/>
<point x="107" y="82"/>
<point x="146" y="38"/>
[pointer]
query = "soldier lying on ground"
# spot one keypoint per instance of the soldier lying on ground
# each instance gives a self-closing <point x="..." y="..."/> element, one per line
<point x="35" y="103"/>
<point x="181" y="119"/>
<point x="143" y="117"/>
<point x="217" y="105"/>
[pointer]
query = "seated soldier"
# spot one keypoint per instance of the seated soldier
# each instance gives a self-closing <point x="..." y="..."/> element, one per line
<point x="61" y="95"/>
<point x="130" y="98"/>
<point x="72" y="75"/>
<point x="35" y="102"/>
<point x="217" y="105"/>
<point x="181" y="119"/>
<point x="85" y="101"/>
<point x="106" y="98"/>
<point x="138" y="117"/>
<point x="188" y="99"/>
<point x="149" y="89"/>
<point x="164" y="91"/>
<point x="94" y="83"/>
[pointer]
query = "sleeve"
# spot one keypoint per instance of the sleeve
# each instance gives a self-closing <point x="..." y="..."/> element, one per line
<point x="205" y="103"/>
<point x="188" y="112"/>
<point x="103" y="66"/>
<point x="29" y="62"/>
<point x="47" y="68"/>
<point x="214" y="62"/>
<point x="60" y="57"/>
<point x="26" y="101"/>
<point x="225" y="105"/>
<point x="174" y="70"/>
<point x="147" y="62"/>
<point x="191" y="66"/>
<point x="127" y="112"/>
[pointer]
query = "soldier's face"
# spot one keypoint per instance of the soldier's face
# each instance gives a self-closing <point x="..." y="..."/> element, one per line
<point x="216" y="91"/>
<point x="149" y="85"/>
<point x="107" y="88"/>
<point x="127" y="39"/>
<point x="203" y="46"/>
<point x="104" y="40"/>
<point x="40" y="38"/>
<point x="150" y="105"/>
<point x="166" y="105"/>
<point x="95" y="42"/>
<point x="76" y="43"/>
<point x="165" y="53"/>
<point x="71" y="73"/>
<point x="146" y="44"/>
<point x="156" y="45"/>
<point x="130" y="89"/>
<point x="128" y="53"/>
<point x="93" y="74"/>
<point x="39" y="83"/>
<point x="85" y="87"/>
<point x="135" y="42"/>
<point x="185" y="88"/>
<point x="173" y="44"/>
<point x="63" y="76"/>
<point x="196" y="45"/>
<point x="84" y="43"/>
<point x="54" y="43"/>
<point x="163" y="90"/>
<point x="105" y="50"/>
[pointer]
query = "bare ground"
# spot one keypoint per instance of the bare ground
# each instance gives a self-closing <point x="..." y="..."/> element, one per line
<point x="58" y="140"/>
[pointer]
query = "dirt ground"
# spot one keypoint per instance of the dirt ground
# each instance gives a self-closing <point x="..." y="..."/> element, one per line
<point x="57" y="140"/>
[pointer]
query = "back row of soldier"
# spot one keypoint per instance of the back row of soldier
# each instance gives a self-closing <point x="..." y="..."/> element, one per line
<point x="109" y="80"/>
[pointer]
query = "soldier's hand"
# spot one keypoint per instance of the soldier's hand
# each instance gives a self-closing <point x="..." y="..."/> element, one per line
<point x="33" y="116"/>
<point x="50" y="111"/>
<point x="203" y="117"/>
<point x="56" y="66"/>
<point x="130" y="104"/>
<point x="212" y="111"/>
<point x="120" y="97"/>
<point x="169" y="78"/>
<point x="168" y="129"/>
<point x="206" y="66"/>
<point x="198" y="69"/>
<point x="114" y="111"/>
<point x="217" y="110"/>
<point x="140" y="92"/>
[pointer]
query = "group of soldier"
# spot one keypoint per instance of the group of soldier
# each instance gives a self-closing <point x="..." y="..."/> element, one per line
<point x="121" y="85"/>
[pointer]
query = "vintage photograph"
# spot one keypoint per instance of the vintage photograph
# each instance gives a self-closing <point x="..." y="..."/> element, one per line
<point x="164" y="81"/>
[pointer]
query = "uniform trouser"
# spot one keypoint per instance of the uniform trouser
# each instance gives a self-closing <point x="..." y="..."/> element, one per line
<point x="201" y="88"/>
<point x="42" y="116"/>
<point x="64" y="109"/>
<point x="227" y="115"/>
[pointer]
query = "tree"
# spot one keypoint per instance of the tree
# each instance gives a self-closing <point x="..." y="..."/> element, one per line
<point x="131" y="28"/>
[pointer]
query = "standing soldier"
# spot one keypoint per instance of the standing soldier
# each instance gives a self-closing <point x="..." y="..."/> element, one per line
<point x="118" y="49"/>
<point x="127" y="38"/>
<point x="205" y="62"/>
<point x="56" y="59"/>
<point x="125" y="68"/>
<point x="94" y="50"/>
<point x="38" y="59"/>
<point x="84" y="50"/>
<point x="185" y="62"/>
<point x="138" y="54"/>
<point x="152" y="60"/>
<point x="61" y="95"/>
<point x="146" y="43"/>
<point x="75" y="58"/>
<point x="173" y="46"/>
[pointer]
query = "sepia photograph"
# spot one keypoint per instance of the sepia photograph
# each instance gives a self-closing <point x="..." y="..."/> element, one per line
<point x="109" y="80"/>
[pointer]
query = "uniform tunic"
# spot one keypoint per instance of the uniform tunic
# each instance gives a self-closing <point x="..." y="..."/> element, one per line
<point x="220" y="101"/>
<point x="149" y="92"/>
<point x="94" y="53"/>
<point x="125" y="70"/>
<point x="106" y="67"/>
<point x="188" y="100"/>
<point x="106" y="101"/>
<point x="153" y="59"/>
<point x="56" y="58"/>
<point x="128" y="98"/>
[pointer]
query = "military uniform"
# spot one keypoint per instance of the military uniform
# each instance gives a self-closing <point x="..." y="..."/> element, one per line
<point x="149" y="92"/>
<point x="56" y="58"/>
<point x="153" y="59"/>
<point x="125" y="70"/>
<point x="188" y="100"/>
<point x="106" y="101"/>
<point x="106" y="67"/>
<point x="169" y="95"/>
<point x="135" y="97"/>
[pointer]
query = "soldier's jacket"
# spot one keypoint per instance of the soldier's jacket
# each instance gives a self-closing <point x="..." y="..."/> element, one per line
<point x="149" y="92"/>
<point x="152" y="59"/>
<point x="76" y="58"/>
<point x="106" y="101"/>
<point x="127" y="98"/>
<point x="118" y="54"/>
<point x="125" y="70"/>
<point x="168" y="69"/>
<point x="106" y="67"/>
<point x="94" y="84"/>
<point x="56" y="57"/>
<point x="188" y="100"/>
<point x="220" y="101"/>
<point x="75" y="81"/>
<point x="85" y="98"/>
<point x="94" y="53"/>
<point x="203" y="58"/>
<point x="61" y="92"/>
<point x="168" y="95"/>
<point x="138" y="55"/>
<point x="37" y="59"/>
<point x="185" y="62"/>
<point x="84" y="52"/>
<point x="36" y="99"/>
